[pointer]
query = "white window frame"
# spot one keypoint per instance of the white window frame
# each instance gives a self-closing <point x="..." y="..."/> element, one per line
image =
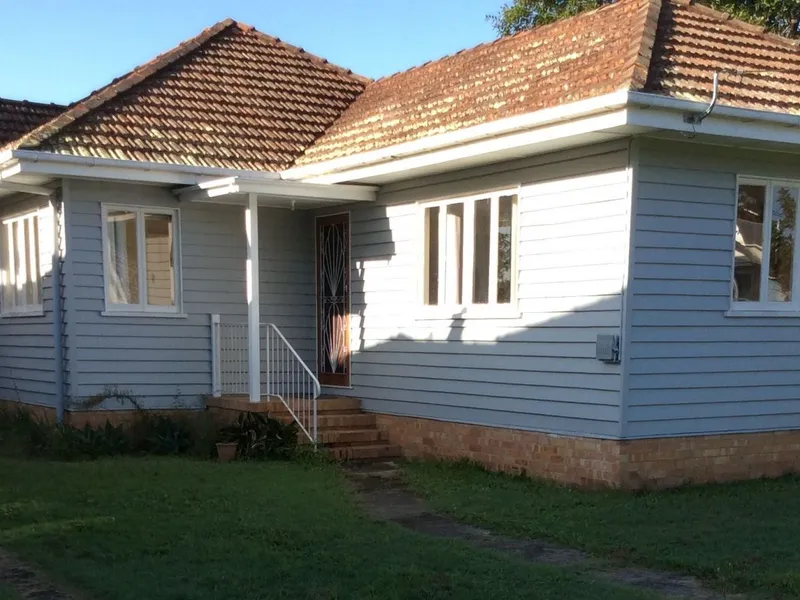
<point x="466" y="308"/>
<point x="33" y="260"/>
<point x="142" y="308"/>
<point x="764" y="307"/>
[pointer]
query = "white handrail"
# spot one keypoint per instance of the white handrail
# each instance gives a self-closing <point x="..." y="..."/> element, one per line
<point x="291" y="387"/>
<point x="284" y="375"/>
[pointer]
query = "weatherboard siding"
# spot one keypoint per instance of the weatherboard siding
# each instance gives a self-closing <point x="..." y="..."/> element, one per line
<point x="536" y="370"/>
<point x="164" y="361"/>
<point x="692" y="369"/>
<point x="27" y="358"/>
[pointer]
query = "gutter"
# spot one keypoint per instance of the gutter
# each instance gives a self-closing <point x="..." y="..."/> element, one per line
<point x="519" y="123"/>
<point x="33" y="161"/>
<point x="431" y="150"/>
<point x="645" y="100"/>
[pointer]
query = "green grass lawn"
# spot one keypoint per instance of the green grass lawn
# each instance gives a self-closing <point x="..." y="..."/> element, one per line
<point x="180" y="529"/>
<point x="742" y="536"/>
<point x="7" y="593"/>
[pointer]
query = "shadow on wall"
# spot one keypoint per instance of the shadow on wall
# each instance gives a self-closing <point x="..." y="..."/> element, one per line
<point x="529" y="364"/>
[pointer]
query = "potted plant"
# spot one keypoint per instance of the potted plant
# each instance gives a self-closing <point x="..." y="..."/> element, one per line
<point x="227" y="443"/>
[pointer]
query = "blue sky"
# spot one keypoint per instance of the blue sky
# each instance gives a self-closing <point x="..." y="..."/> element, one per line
<point x="64" y="50"/>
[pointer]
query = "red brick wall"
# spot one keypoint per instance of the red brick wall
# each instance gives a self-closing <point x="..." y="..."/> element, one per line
<point x="635" y="464"/>
<point x="569" y="460"/>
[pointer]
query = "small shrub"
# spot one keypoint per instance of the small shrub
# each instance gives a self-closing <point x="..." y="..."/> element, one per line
<point x="161" y="435"/>
<point x="258" y="437"/>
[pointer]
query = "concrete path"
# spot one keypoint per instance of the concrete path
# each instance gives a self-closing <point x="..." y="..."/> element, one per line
<point x="29" y="583"/>
<point x="385" y="497"/>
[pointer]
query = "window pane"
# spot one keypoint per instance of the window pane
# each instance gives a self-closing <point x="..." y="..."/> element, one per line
<point x="454" y="250"/>
<point x="749" y="242"/>
<point x="123" y="258"/>
<point x="159" y="260"/>
<point x="18" y="238"/>
<point x="504" y="229"/>
<point x="432" y="255"/>
<point x="781" y="246"/>
<point x="480" y="272"/>
<point x="27" y="225"/>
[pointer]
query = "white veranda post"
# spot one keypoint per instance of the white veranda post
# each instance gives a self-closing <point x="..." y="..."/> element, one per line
<point x="253" y="313"/>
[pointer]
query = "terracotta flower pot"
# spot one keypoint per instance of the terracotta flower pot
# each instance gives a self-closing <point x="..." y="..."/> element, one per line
<point x="226" y="451"/>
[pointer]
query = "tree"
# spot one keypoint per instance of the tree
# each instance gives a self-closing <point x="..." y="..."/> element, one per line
<point x="778" y="16"/>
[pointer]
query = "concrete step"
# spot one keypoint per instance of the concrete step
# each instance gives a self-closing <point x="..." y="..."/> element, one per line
<point x="366" y="453"/>
<point x="353" y="437"/>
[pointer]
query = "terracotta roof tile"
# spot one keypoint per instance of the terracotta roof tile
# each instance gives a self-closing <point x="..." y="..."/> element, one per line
<point x="18" y="117"/>
<point x="759" y="70"/>
<point x="588" y="55"/>
<point x="234" y="97"/>
<point x="230" y="97"/>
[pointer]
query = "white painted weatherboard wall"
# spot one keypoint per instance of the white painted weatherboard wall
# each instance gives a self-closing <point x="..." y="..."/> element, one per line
<point x="692" y="369"/>
<point x="27" y="358"/>
<point x="536" y="371"/>
<point x="166" y="362"/>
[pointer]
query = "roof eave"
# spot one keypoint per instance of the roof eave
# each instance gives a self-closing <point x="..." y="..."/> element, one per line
<point x="620" y="113"/>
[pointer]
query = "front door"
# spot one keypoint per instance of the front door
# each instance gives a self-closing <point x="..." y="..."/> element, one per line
<point x="333" y="299"/>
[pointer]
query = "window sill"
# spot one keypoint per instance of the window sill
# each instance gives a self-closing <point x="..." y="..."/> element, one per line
<point x="143" y="314"/>
<point x="36" y="312"/>
<point x="761" y="312"/>
<point x="461" y="313"/>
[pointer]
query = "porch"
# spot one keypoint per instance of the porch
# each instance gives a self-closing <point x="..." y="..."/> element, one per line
<point x="256" y="365"/>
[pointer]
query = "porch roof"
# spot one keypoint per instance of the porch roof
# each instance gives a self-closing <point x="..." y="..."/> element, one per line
<point x="275" y="192"/>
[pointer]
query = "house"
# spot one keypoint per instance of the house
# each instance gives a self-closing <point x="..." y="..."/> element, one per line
<point x="570" y="252"/>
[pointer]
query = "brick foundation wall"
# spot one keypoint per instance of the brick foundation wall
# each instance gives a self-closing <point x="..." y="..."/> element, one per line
<point x="634" y="464"/>
<point x="670" y="462"/>
<point x="80" y="418"/>
<point x="568" y="460"/>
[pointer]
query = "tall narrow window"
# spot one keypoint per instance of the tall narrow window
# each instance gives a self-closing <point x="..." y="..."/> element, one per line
<point x="140" y="256"/>
<point x="504" y="254"/>
<point x="432" y="255"/>
<point x="454" y="253"/>
<point x="469" y="249"/>
<point x="21" y="276"/>
<point x="765" y="275"/>
<point x="483" y="242"/>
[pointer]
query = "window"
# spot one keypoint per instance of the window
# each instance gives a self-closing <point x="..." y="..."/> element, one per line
<point x="141" y="251"/>
<point x="469" y="251"/>
<point x="21" y="265"/>
<point x="765" y="276"/>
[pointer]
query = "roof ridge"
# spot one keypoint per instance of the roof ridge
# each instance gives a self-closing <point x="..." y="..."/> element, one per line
<point x="759" y="30"/>
<point x="117" y="86"/>
<point x="301" y="51"/>
<point x="507" y="38"/>
<point x="31" y="102"/>
<point x="642" y="46"/>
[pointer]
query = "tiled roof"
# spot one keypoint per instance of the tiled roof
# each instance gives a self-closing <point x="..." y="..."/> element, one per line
<point x="759" y="70"/>
<point x="18" y="117"/>
<point x="230" y="97"/>
<point x="588" y="55"/>
<point x="234" y="97"/>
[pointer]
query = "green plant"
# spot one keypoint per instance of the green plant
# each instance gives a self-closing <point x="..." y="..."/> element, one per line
<point x="161" y="435"/>
<point x="258" y="436"/>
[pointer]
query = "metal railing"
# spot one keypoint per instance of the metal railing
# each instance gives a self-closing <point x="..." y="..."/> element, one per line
<point x="285" y="376"/>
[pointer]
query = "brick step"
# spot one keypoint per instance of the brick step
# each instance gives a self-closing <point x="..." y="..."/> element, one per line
<point x="354" y="437"/>
<point x="365" y="453"/>
<point x="356" y="420"/>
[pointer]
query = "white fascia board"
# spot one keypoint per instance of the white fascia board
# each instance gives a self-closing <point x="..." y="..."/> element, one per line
<point x="565" y="112"/>
<point x="720" y="110"/>
<point x="62" y="165"/>
<point x="292" y="190"/>
<point x="500" y="144"/>
<point x="720" y="125"/>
